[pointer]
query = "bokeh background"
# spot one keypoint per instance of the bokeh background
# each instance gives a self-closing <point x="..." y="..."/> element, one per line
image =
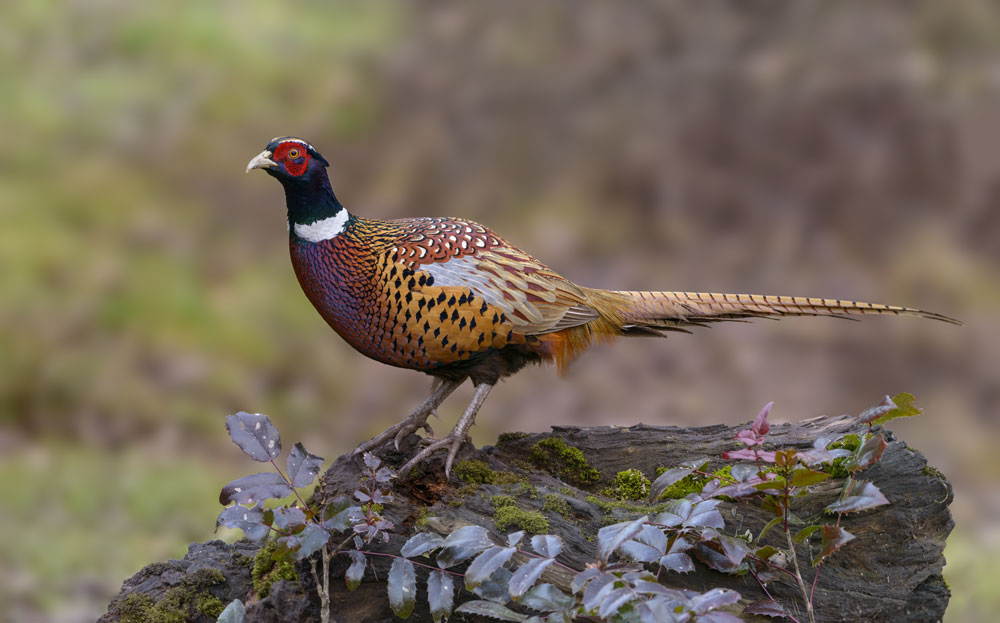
<point x="847" y="150"/>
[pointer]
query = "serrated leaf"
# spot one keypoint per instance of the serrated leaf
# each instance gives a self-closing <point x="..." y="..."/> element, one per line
<point x="302" y="466"/>
<point x="527" y="574"/>
<point x="463" y="544"/>
<point x="903" y="407"/>
<point x="495" y="588"/>
<point x="719" y="616"/>
<point x="656" y="611"/>
<point x="803" y="477"/>
<point x="255" y="435"/>
<point x="715" y="598"/>
<point x="546" y="598"/>
<point x="581" y="579"/>
<point x="421" y="543"/>
<point x="639" y="552"/>
<point x="653" y="537"/>
<point x="514" y="538"/>
<point x="668" y="478"/>
<point x="760" y="424"/>
<point x="311" y="539"/>
<point x="734" y="548"/>
<point x="610" y="537"/>
<point x="287" y="517"/>
<point x="714" y="559"/>
<point x="547" y="545"/>
<point x="805" y="533"/>
<point x="485" y="564"/>
<point x="834" y="538"/>
<point x="868" y="454"/>
<point x="490" y="609"/>
<point x="356" y="571"/>
<point x="614" y="601"/>
<point x="235" y="612"/>
<point x="681" y="563"/>
<point x="371" y="460"/>
<point x="596" y="589"/>
<point x="705" y="515"/>
<point x="861" y="496"/>
<point x="402" y="587"/>
<point x="765" y="607"/>
<point x="249" y="520"/>
<point x="345" y="519"/>
<point x="253" y="489"/>
<point x="440" y="594"/>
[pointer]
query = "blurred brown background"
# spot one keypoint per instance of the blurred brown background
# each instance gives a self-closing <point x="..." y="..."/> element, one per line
<point x="846" y="150"/>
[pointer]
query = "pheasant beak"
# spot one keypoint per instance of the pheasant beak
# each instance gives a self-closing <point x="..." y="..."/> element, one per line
<point x="262" y="161"/>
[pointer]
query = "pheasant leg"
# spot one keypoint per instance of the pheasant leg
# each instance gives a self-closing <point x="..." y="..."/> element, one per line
<point x="414" y="421"/>
<point x="455" y="438"/>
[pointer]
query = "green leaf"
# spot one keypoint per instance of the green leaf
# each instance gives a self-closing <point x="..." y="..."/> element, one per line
<point x="803" y="477"/>
<point x="771" y="485"/>
<point x="767" y="527"/>
<point x="402" y="587"/>
<point x="490" y="609"/>
<point x="834" y="538"/>
<point x="904" y="408"/>
<point x="806" y="532"/>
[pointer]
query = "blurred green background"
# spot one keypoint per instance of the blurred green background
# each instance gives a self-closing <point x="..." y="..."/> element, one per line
<point x="846" y="150"/>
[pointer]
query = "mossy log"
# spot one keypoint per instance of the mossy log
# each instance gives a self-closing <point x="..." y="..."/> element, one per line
<point x="567" y="486"/>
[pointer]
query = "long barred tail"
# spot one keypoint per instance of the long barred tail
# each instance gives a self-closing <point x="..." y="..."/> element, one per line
<point x="672" y="311"/>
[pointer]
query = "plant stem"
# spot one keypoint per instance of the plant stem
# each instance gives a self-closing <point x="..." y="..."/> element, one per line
<point x="323" y="587"/>
<point x="798" y="576"/>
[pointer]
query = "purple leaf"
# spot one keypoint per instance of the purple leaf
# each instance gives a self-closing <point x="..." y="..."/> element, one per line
<point x="547" y="545"/>
<point x="371" y="461"/>
<point x="514" y="538"/>
<point x="495" y="588"/>
<point x="610" y="537"/>
<point x="640" y="552"/>
<point x="357" y="569"/>
<point x="862" y="495"/>
<point x="490" y="609"/>
<point x="750" y="455"/>
<point x="833" y="539"/>
<point x="871" y="414"/>
<point x="581" y="579"/>
<point x="252" y="489"/>
<point x="421" y="543"/>
<point x="527" y="574"/>
<point x="735" y="549"/>
<point x="705" y="515"/>
<point x="286" y="518"/>
<point x="440" y="594"/>
<point x="597" y="589"/>
<point x="681" y="563"/>
<point x="760" y="425"/>
<point x="311" y="539"/>
<point x="672" y="476"/>
<point x="255" y="435"/>
<point x="249" y="520"/>
<point x="402" y="586"/>
<point x="463" y="544"/>
<point x="715" y="598"/>
<point x="485" y="564"/>
<point x="867" y="455"/>
<point x="613" y="602"/>
<point x="546" y="598"/>
<point x="302" y="466"/>
<point x="719" y="617"/>
<point x="765" y="607"/>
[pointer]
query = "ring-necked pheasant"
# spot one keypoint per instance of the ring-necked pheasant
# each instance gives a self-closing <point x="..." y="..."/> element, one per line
<point x="450" y="298"/>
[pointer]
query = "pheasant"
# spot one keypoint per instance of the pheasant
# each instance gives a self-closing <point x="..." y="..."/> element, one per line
<point x="452" y="299"/>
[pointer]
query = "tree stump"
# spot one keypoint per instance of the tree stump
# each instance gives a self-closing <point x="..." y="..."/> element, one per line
<point x="890" y="572"/>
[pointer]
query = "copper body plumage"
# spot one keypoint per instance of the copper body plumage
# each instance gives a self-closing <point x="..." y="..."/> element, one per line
<point x="450" y="298"/>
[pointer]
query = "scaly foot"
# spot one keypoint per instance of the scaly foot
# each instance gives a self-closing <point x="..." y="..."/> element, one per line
<point x="413" y="422"/>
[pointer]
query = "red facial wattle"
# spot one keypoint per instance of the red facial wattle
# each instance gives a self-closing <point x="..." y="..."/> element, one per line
<point x="294" y="156"/>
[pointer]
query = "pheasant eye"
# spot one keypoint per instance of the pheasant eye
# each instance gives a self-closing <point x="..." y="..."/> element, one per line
<point x="293" y="153"/>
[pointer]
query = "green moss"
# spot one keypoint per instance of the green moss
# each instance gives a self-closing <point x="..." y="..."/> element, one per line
<point x="266" y="571"/>
<point x="209" y="605"/>
<point x="466" y="490"/>
<point x="557" y="457"/>
<point x="693" y="483"/>
<point x="932" y="472"/>
<point x="526" y="489"/>
<point x="630" y="484"/>
<point x="507" y="517"/>
<point x="178" y="604"/>
<point x="479" y="473"/>
<point x="553" y="503"/>
<point x="514" y="436"/>
<point x="421" y="518"/>
<point x="836" y="467"/>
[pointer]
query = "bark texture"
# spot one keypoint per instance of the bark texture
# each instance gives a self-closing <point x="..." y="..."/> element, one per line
<point x="891" y="572"/>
